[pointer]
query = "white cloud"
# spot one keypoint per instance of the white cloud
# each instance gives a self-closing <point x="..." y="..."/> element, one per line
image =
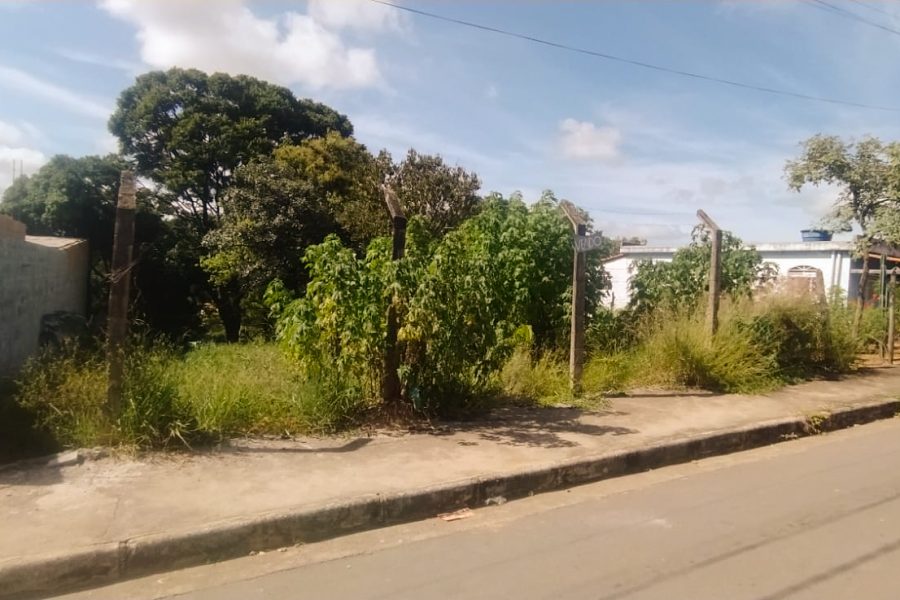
<point x="491" y="93"/>
<point x="20" y="81"/>
<point x="585" y="141"/>
<point x="227" y="36"/>
<point x="356" y="14"/>
<point x="10" y="134"/>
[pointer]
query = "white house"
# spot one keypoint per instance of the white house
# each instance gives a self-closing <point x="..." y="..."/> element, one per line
<point x="833" y="259"/>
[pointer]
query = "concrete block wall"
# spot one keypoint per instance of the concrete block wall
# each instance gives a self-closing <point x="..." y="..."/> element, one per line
<point x="38" y="276"/>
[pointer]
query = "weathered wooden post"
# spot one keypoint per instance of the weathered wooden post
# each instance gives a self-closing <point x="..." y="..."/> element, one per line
<point x="715" y="272"/>
<point x="120" y="280"/>
<point x="579" y="275"/>
<point x="892" y="289"/>
<point x="390" y="384"/>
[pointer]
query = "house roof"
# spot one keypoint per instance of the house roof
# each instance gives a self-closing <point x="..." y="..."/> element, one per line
<point x="638" y="252"/>
<point x="49" y="241"/>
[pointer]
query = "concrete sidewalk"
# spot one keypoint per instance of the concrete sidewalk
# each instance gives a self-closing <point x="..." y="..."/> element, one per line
<point x="70" y="526"/>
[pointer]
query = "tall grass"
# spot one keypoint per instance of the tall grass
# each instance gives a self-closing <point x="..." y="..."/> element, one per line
<point x="760" y="345"/>
<point x="66" y="389"/>
<point x="216" y="391"/>
<point x="170" y="397"/>
<point x="544" y="380"/>
<point x="677" y="351"/>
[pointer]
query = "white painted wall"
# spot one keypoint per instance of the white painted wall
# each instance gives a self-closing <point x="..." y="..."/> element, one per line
<point x="832" y="258"/>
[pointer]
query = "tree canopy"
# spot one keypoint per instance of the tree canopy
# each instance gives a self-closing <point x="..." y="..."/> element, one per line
<point x="69" y="197"/>
<point x="863" y="172"/>
<point x="279" y="205"/>
<point x="444" y="195"/>
<point x="188" y="132"/>
<point x="76" y="197"/>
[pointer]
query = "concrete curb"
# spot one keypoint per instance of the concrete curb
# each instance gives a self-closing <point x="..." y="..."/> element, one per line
<point x="37" y="577"/>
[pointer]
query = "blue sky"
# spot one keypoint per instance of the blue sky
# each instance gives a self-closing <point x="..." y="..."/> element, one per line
<point x="641" y="150"/>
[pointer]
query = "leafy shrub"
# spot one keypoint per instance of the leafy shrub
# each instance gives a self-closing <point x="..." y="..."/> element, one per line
<point x="459" y="299"/>
<point x="679" y="284"/>
<point x="336" y="331"/>
<point x="462" y="310"/>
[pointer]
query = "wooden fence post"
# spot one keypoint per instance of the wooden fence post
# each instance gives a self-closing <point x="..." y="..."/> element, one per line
<point x="119" y="289"/>
<point x="579" y="276"/>
<point x="390" y="383"/>
<point x="715" y="272"/>
<point x="892" y="289"/>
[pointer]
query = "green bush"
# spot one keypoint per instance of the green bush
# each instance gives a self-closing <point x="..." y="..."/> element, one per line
<point x="336" y="331"/>
<point x="459" y="300"/>
<point x="681" y="283"/>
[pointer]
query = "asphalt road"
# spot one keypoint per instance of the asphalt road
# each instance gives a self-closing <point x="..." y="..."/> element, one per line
<point x="817" y="518"/>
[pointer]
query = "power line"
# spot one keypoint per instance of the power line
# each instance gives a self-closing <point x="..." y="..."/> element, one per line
<point x="842" y="12"/>
<point x="635" y="63"/>
<point x="875" y="8"/>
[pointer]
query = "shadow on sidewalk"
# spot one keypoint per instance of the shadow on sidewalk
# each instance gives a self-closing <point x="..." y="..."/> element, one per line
<point x="29" y="472"/>
<point x="350" y="446"/>
<point x="544" y="427"/>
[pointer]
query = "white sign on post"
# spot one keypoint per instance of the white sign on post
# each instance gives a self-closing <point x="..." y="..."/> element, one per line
<point x="588" y="242"/>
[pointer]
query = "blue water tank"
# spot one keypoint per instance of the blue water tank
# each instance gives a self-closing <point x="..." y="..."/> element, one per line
<point x="816" y="235"/>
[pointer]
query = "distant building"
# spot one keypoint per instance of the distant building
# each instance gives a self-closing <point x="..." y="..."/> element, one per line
<point x="39" y="276"/>
<point x="834" y="260"/>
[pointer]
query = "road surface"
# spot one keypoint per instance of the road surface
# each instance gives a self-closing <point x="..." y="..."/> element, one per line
<point x="817" y="518"/>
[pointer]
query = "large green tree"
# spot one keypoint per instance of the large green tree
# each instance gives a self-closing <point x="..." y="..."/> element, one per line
<point x="866" y="175"/>
<point x="279" y="205"/>
<point x="859" y="171"/>
<point x="444" y="195"/>
<point x="188" y="132"/>
<point x="70" y="197"/>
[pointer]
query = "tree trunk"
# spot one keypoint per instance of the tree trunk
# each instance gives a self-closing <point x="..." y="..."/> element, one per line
<point x="228" y="304"/>
<point x="861" y="293"/>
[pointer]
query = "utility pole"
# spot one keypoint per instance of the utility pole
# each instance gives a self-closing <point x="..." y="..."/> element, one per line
<point x="390" y="384"/>
<point x="715" y="272"/>
<point x="579" y="276"/>
<point x="120" y="279"/>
